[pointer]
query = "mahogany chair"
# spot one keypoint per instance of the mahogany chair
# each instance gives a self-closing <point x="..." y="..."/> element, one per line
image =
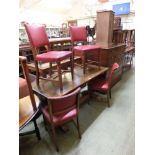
<point x="79" y="34"/>
<point x="38" y="38"/>
<point x="61" y="110"/>
<point x="28" y="102"/>
<point x="103" y="86"/>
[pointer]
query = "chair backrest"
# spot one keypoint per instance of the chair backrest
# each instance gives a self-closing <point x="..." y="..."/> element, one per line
<point x="63" y="104"/>
<point x="114" y="67"/>
<point x="25" y="87"/>
<point x="37" y="35"/>
<point x="78" y="33"/>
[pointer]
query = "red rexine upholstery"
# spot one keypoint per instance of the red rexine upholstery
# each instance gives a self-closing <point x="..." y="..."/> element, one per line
<point x="60" y="119"/>
<point x="104" y="85"/>
<point x="78" y="33"/>
<point x="114" y="67"/>
<point x="100" y="85"/>
<point x="23" y="88"/>
<point x="61" y="110"/>
<point x="86" y="48"/>
<point x="53" y="56"/>
<point x="62" y="105"/>
<point x="37" y="35"/>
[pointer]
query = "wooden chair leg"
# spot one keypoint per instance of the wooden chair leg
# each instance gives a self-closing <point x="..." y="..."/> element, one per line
<point x="72" y="66"/>
<point x="37" y="130"/>
<point x="84" y="64"/>
<point x="78" y="127"/>
<point x="131" y="59"/>
<point x="45" y="123"/>
<point x="89" y="94"/>
<point x="59" y="75"/>
<point x="108" y="100"/>
<point x="54" y="139"/>
<point x="37" y="73"/>
<point x="50" y="69"/>
<point x="110" y="93"/>
<point x="99" y="58"/>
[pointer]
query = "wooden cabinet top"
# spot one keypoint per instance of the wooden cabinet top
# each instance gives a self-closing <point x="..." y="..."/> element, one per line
<point x="109" y="46"/>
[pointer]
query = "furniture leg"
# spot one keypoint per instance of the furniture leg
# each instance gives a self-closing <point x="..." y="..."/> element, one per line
<point x="108" y="101"/>
<point x="37" y="130"/>
<point x="59" y="75"/>
<point x="83" y="63"/>
<point x="110" y="93"/>
<point x="54" y="138"/>
<point x="78" y="127"/>
<point x="45" y="123"/>
<point x="72" y="66"/>
<point x="37" y="73"/>
<point x="50" y="69"/>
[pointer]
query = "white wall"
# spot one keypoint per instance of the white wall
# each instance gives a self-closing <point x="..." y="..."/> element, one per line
<point x="88" y="8"/>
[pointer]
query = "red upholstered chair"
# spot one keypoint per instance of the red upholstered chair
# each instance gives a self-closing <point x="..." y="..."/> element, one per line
<point x="79" y="34"/>
<point x="38" y="38"/>
<point x="28" y="102"/>
<point x="61" y="110"/>
<point x="103" y="86"/>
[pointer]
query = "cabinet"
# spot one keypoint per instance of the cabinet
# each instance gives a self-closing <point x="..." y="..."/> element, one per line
<point x="110" y="52"/>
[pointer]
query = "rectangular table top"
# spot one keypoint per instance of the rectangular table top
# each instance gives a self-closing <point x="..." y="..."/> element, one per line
<point x="51" y="88"/>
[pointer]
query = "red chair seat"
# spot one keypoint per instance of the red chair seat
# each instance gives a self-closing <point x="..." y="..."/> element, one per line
<point x="53" y="56"/>
<point x="60" y="119"/>
<point x="100" y="85"/>
<point x="86" y="48"/>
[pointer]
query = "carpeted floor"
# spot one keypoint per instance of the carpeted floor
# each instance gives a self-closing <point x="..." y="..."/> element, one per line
<point x="105" y="131"/>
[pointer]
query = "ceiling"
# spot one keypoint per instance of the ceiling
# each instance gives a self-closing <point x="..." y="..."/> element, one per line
<point x="58" y="11"/>
<point x="58" y="6"/>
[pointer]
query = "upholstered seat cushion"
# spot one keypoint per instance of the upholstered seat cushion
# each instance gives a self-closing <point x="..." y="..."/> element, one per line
<point x="60" y="119"/>
<point x="100" y="85"/>
<point x="53" y="56"/>
<point x="86" y="48"/>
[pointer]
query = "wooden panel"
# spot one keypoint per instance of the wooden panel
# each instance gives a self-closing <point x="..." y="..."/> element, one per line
<point x="117" y="23"/>
<point x="104" y="29"/>
<point x="109" y="55"/>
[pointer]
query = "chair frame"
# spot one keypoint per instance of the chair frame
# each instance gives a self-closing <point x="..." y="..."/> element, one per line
<point x="83" y="55"/>
<point x="35" y="52"/>
<point x="108" y="91"/>
<point x="51" y="113"/>
<point x="37" y="112"/>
